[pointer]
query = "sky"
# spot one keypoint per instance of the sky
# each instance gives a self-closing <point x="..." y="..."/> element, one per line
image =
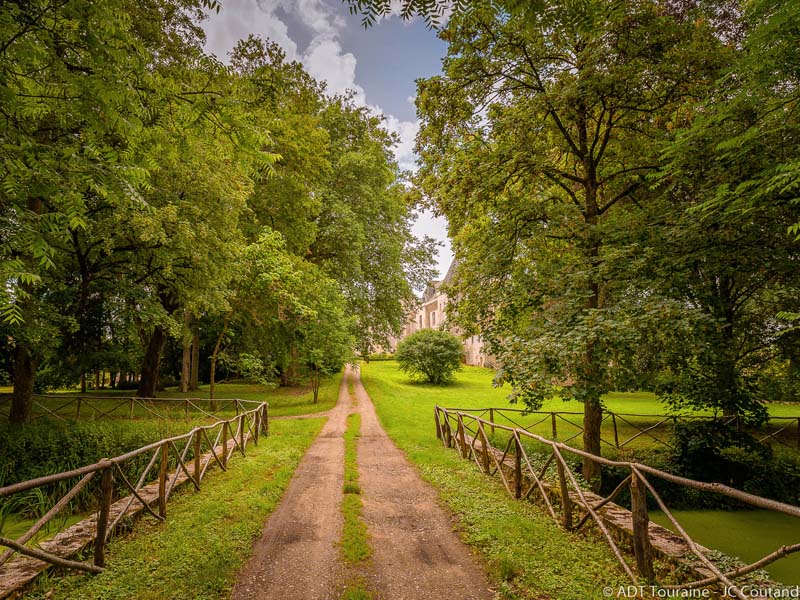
<point x="379" y="65"/>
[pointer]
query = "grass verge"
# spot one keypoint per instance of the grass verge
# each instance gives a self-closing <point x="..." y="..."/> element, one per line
<point x="355" y="543"/>
<point x="529" y="556"/>
<point x="207" y="537"/>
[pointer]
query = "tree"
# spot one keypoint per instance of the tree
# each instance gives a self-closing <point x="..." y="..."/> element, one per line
<point x="536" y="144"/>
<point x="430" y="354"/>
<point x="718" y="240"/>
<point x="77" y="80"/>
<point x="325" y="342"/>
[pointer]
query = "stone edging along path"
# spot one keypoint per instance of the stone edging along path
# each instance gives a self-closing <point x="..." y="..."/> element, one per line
<point x="416" y="554"/>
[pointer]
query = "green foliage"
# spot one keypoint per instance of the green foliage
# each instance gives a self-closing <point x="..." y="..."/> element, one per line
<point x="47" y="447"/>
<point x="430" y="354"/>
<point x="155" y="194"/>
<point x="713" y="451"/>
<point x="537" y="214"/>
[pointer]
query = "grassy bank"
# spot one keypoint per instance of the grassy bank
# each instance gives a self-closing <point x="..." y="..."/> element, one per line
<point x="527" y="554"/>
<point x="208" y="535"/>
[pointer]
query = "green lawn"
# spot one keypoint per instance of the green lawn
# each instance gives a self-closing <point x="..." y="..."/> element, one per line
<point x="283" y="401"/>
<point x="473" y="389"/>
<point x="208" y="535"/>
<point x="527" y="554"/>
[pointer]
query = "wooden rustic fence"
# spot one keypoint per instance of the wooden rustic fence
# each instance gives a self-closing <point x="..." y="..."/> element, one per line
<point x="190" y="455"/>
<point x="568" y="502"/>
<point x="620" y="430"/>
<point x="90" y="406"/>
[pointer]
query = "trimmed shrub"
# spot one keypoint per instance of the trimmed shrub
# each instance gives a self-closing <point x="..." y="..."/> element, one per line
<point x="430" y="355"/>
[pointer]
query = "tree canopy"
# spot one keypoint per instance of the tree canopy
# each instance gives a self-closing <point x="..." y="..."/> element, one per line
<point x="155" y="198"/>
<point x="615" y="179"/>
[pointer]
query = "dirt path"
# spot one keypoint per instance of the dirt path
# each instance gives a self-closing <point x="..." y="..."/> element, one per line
<point x="416" y="554"/>
<point x="296" y="557"/>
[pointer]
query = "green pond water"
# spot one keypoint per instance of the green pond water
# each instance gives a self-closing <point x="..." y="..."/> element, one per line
<point x="749" y="535"/>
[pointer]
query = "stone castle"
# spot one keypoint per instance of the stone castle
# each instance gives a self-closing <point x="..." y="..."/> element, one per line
<point x="431" y="313"/>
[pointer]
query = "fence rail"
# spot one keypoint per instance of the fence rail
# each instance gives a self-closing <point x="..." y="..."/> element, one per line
<point x="622" y="429"/>
<point x="564" y="498"/>
<point x="175" y="460"/>
<point x="90" y="406"/>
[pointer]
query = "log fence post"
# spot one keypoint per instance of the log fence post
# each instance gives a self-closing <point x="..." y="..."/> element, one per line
<point x="491" y="419"/>
<point x="462" y="438"/>
<point x="485" y="453"/>
<point x="256" y="416"/>
<point x="242" y="430"/>
<point x="130" y="409"/>
<point x="438" y="425"/>
<point x="186" y="408"/>
<point x="616" y="432"/>
<point x="78" y="408"/>
<point x="517" y="468"/>
<point x="553" y="425"/>
<point x="105" y="497"/>
<point x="566" y="501"/>
<point x="224" y="444"/>
<point x="162" y="481"/>
<point x="448" y="431"/>
<point x="798" y="433"/>
<point x="641" y="522"/>
<point x="197" y="451"/>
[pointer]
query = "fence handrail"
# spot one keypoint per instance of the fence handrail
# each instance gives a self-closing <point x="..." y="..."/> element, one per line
<point x="231" y="435"/>
<point x="777" y="428"/>
<point x="106" y="462"/>
<point x="720" y="488"/>
<point x="476" y="446"/>
<point x="605" y="411"/>
<point x="73" y="395"/>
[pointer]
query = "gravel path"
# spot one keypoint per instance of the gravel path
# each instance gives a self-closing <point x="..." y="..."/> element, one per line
<point x="416" y="554"/>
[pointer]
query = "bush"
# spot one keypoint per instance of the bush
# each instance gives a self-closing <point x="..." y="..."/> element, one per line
<point x="431" y="355"/>
<point x="47" y="447"/>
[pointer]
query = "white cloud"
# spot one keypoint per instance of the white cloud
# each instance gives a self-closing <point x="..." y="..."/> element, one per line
<point x="324" y="59"/>
<point x="404" y="150"/>
<point x="240" y="18"/>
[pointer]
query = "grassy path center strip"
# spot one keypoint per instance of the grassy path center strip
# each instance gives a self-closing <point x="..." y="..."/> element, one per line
<point x="355" y="540"/>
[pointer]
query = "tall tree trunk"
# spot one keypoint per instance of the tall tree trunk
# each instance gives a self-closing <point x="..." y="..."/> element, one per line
<point x="151" y="363"/>
<point x="83" y="382"/>
<point x="22" y="398"/>
<point x="315" y="382"/>
<point x="24" y="362"/>
<point x="112" y="379"/>
<point x="186" y="362"/>
<point x="194" y="377"/>
<point x="592" y="421"/>
<point x="186" y="359"/>
<point x="214" y="355"/>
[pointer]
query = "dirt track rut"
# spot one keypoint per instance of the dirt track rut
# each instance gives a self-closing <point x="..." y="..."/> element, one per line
<point x="416" y="554"/>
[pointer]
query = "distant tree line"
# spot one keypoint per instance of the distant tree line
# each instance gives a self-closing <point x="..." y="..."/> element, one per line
<point x="156" y="202"/>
